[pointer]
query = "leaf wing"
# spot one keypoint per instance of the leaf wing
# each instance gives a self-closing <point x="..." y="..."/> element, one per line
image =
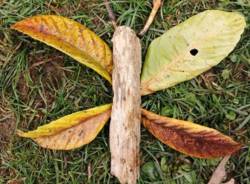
<point x="189" y="138"/>
<point x="71" y="131"/>
<point x="71" y="38"/>
<point x="190" y="48"/>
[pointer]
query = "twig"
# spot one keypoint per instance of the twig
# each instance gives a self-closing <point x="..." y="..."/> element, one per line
<point x="111" y="13"/>
<point x="156" y="6"/>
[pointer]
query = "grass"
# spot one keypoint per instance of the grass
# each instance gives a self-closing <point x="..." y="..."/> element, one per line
<point x="219" y="98"/>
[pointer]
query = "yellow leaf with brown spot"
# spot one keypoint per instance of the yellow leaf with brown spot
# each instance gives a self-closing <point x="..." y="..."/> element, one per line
<point x="71" y="131"/>
<point x="71" y="38"/>
<point x="189" y="138"/>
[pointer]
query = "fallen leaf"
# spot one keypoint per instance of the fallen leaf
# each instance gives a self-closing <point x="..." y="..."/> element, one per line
<point x="220" y="172"/>
<point x="191" y="48"/>
<point x="189" y="138"/>
<point x="232" y="181"/>
<point x="71" y="38"/>
<point x="16" y="181"/>
<point x="71" y="131"/>
<point x="149" y="170"/>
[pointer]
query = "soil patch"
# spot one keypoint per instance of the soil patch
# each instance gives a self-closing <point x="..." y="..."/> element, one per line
<point x="7" y="127"/>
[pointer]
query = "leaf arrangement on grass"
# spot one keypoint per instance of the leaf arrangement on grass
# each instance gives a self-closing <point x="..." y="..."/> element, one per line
<point x="180" y="54"/>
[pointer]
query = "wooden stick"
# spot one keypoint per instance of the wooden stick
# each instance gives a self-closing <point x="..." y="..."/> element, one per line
<point x="126" y="114"/>
<point x="156" y="6"/>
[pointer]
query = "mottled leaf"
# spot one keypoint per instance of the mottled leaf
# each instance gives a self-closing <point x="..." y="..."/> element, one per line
<point x="190" y="48"/>
<point x="189" y="138"/>
<point x="71" y="38"/>
<point x="71" y="131"/>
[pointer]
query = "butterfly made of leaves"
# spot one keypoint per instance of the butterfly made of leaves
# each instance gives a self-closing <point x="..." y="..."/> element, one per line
<point x="180" y="54"/>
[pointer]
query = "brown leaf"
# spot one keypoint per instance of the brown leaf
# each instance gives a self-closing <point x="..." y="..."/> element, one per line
<point x="220" y="172"/>
<point x="15" y="181"/>
<point x="189" y="138"/>
<point x="232" y="181"/>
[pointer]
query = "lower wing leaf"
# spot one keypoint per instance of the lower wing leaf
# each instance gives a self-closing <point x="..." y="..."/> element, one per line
<point x="71" y="131"/>
<point x="189" y="138"/>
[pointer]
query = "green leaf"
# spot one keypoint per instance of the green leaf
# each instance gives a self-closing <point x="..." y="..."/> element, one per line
<point x="149" y="170"/>
<point x="190" y="48"/>
<point x="231" y="115"/>
<point x="225" y="74"/>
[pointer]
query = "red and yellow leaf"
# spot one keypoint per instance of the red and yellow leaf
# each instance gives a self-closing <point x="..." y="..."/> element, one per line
<point x="71" y="131"/>
<point x="71" y="38"/>
<point x="189" y="138"/>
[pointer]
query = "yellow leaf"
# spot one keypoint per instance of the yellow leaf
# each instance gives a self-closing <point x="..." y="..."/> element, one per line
<point x="71" y="131"/>
<point x="189" y="138"/>
<point x="190" y="48"/>
<point x="71" y="38"/>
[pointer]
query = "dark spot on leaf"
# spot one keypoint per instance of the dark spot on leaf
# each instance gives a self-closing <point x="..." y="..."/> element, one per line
<point x="194" y="52"/>
<point x="41" y="28"/>
<point x="80" y="134"/>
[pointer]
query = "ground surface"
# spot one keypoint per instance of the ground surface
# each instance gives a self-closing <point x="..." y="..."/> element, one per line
<point x="39" y="84"/>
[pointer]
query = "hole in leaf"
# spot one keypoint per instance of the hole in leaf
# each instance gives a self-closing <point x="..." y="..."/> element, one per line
<point x="194" y="52"/>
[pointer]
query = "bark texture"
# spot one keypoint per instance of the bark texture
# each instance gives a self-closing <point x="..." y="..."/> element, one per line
<point x="126" y="114"/>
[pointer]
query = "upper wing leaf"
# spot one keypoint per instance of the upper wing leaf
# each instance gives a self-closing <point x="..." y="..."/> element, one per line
<point x="71" y="38"/>
<point x="189" y="138"/>
<point x="190" y="48"/>
<point x="71" y="131"/>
